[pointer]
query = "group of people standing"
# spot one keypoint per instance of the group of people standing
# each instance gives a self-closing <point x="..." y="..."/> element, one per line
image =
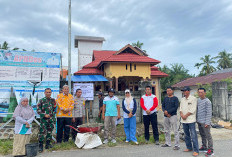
<point x="192" y="111"/>
<point x="65" y="110"/>
<point x="69" y="110"/>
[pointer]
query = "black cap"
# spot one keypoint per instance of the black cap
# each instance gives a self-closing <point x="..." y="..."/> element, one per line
<point x="186" y="88"/>
<point x="111" y="90"/>
<point x="100" y="93"/>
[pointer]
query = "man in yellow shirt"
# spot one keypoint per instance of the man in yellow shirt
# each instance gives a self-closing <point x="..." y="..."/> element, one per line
<point x="65" y="103"/>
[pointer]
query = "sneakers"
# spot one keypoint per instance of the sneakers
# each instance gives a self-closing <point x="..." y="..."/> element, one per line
<point x="176" y="148"/>
<point x="209" y="152"/>
<point x="127" y="141"/>
<point x="157" y="143"/>
<point x="165" y="145"/>
<point x="135" y="142"/>
<point x="202" y="149"/>
<point x="105" y="141"/>
<point x="113" y="141"/>
<point x="195" y="154"/>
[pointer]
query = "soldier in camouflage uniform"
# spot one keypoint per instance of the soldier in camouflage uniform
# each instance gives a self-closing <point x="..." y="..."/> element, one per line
<point x="46" y="108"/>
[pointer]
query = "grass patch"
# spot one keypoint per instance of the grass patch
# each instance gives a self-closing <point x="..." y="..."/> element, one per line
<point x="64" y="146"/>
<point x="110" y="144"/>
<point x="6" y="146"/>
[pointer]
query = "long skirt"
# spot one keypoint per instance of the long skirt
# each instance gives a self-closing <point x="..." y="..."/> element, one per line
<point x="19" y="144"/>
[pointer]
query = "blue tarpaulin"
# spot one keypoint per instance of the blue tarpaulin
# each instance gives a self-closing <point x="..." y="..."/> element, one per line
<point x="87" y="78"/>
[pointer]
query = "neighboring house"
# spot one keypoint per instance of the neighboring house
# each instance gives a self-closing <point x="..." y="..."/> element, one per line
<point x="203" y="80"/>
<point x="122" y="69"/>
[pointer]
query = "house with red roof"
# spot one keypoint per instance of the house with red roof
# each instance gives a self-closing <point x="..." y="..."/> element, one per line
<point x="121" y="69"/>
<point x="194" y="82"/>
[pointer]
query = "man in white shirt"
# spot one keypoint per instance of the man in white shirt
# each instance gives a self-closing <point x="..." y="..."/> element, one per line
<point x="188" y="109"/>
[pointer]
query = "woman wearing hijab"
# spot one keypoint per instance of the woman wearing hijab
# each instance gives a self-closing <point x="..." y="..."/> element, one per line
<point x="23" y="116"/>
<point x="129" y="107"/>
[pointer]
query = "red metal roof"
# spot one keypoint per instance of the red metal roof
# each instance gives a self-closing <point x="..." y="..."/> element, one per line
<point x="128" y="57"/>
<point x="89" y="71"/>
<point x="98" y="57"/>
<point x="155" y="72"/>
<point x="208" y="79"/>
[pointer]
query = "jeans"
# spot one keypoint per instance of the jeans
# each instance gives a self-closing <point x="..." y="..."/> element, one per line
<point x="62" y="129"/>
<point x="191" y="140"/>
<point x="130" y="128"/>
<point x="147" y="119"/>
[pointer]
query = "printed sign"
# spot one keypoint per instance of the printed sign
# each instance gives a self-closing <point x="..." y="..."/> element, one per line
<point x="20" y="71"/>
<point x="87" y="90"/>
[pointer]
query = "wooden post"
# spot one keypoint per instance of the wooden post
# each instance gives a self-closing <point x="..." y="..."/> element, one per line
<point x="116" y="83"/>
<point x="111" y="83"/>
<point x="91" y="107"/>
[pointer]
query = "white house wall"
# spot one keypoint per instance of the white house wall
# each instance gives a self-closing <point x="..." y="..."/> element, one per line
<point x="85" y="50"/>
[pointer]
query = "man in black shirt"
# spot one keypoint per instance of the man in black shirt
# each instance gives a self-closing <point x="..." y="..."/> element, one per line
<point x="100" y="97"/>
<point x="169" y="107"/>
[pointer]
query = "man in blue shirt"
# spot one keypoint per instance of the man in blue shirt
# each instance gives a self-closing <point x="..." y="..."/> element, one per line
<point x="110" y="113"/>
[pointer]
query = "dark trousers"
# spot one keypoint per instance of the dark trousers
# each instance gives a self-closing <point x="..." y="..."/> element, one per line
<point x="62" y="129"/>
<point x="147" y="119"/>
<point x="205" y="136"/>
<point x="78" y="121"/>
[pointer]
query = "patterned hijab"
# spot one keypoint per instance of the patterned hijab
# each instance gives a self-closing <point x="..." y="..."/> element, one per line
<point x="26" y="112"/>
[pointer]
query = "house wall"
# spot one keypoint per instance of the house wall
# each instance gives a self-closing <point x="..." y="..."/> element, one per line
<point x="107" y="70"/>
<point x="155" y="83"/>
<point x="119" y="70"/>
<point x="85" y="51"/>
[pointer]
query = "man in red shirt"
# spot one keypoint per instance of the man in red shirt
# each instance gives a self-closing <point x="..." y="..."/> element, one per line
<point x="149" y="102"/>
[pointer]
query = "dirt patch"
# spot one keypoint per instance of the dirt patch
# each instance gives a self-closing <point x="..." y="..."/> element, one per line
<point x="221" y="134"/>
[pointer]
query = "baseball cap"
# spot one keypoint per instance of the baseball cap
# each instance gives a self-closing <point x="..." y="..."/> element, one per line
<point x="186" y="88"/>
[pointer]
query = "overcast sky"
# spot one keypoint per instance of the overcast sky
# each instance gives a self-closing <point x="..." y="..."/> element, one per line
<point x="173" y="31"/>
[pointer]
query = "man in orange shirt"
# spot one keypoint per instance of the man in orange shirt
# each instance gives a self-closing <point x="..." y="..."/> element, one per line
<point x="65" y="103"/>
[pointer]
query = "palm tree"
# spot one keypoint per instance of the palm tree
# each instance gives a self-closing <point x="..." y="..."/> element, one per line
<point x="178" y="73"/>
<point x="4" y="46"/>
<point x="224" y="60"/>
<point x="207" y="62"/>
<point x="138" y="44"/>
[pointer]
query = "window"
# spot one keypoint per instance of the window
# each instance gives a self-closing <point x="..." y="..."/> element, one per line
<point x="126" y="66"/>
<point x="130" y="67"/>
<point x="134" y="66"/>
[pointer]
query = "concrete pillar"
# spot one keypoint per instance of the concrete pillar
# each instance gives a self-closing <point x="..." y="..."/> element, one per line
<point x="220" y="100"/>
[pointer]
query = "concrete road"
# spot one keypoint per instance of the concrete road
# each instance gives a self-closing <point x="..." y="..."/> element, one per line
<point x="223" y="148"/>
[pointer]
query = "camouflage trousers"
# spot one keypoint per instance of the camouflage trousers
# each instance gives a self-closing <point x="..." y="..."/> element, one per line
<point x="46" y="128"/>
